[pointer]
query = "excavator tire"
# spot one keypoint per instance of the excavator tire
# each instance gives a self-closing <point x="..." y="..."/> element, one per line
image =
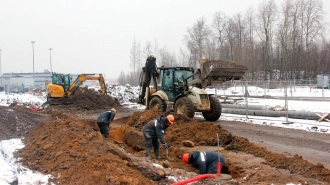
<point x="216" y="109"/>
<point x="184" y="106"/>
<point x="157" y="103"/>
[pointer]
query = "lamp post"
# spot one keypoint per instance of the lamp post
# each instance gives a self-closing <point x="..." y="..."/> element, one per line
<point x="0" y="70"/>
<point x="50" y="59"/>
<point x="32" y="42"/>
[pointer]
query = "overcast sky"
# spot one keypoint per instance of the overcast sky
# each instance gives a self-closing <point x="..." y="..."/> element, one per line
<point x="95" y="36"/>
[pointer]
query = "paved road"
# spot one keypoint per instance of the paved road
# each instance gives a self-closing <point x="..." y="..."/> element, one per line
<point x="313" y="147"/>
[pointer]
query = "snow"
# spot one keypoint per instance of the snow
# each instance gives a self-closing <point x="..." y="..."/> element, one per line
<point x="12" y="170"/>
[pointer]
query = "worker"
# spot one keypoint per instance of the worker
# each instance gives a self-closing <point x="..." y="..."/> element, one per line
<point x="155" y="130"/>
<point x="104" y="120"/>
<point x="205" y="162"/>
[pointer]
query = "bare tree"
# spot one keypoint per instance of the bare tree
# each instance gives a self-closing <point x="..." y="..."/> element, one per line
<point x="230" y="37"/>
<point x="284" y="34"/>
<point x="183" y="58"/>
<point x="135" y="55"/>
<point x="147" y="49"/>
<point x="313" y="16"/>
<point x="239" y="32"/>
<point x="267" y="16"/>
<point x="198" y="35"/>
<point x="219" y="25"/>
<point x="155" y="47"/>
<point x="164" y="57"/>
<point x="250" y="59"/>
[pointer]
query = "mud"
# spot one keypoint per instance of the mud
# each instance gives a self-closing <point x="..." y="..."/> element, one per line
<point x="65" y="141"/>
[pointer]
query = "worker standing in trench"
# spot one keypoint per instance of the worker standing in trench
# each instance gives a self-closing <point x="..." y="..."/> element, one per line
<point x="155" y="130"/>
<point x="104" y="120"/>
<point x="205" y="162"/>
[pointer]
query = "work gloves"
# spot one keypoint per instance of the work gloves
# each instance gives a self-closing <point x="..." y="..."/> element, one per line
<point x="165" y="146"/>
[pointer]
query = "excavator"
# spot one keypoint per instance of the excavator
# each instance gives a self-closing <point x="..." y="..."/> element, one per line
<point x="181" y="89"/>
<point x="61" y="87"/>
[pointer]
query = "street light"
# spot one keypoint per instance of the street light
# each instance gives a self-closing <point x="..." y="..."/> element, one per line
<point x="32" y="42"/>
<point x="50" y="58"/>
<point x="0" y="70"/>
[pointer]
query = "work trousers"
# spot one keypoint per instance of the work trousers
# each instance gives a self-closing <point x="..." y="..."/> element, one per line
<point x="104" y="129"/>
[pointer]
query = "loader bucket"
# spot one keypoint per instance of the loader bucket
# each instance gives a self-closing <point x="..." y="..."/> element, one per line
<point x="221" y="70"/>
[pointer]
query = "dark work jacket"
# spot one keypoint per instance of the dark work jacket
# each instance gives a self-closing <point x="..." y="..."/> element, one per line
<point x="206" y="162"/>
<point x="106" y="117"/>
<point x="156" y="128"/>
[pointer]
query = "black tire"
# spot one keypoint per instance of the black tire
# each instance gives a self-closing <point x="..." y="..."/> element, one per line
<point x="184" y="106"/>
<point x="157" y="103"/>
<point x="216" y="109"/>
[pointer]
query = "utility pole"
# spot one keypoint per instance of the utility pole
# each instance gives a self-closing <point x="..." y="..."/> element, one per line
<point x="50" y="58"/>
<point x="0" y="70"/>
<point x="32" y="42"/>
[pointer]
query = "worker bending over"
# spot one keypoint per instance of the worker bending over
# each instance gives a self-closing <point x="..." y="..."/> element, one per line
<point x="155" y="130"/>
<point x="205" y="162"/>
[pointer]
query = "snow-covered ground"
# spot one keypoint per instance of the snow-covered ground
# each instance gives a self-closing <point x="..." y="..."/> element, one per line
<point x="11" y="170"/>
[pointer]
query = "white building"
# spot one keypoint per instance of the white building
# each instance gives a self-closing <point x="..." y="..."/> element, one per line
<point x="25" y="80"/>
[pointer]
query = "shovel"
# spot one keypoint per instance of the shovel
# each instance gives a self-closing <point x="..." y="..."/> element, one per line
<point x="167" y="155"/>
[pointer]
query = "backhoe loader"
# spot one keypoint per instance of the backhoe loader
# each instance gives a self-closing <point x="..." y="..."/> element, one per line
<point x="61" y="87"/>
<point x="180" y="89"/>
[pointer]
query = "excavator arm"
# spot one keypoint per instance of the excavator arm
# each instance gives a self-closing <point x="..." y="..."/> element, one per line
<point x="82" y="78"/>
<point x="148" y="72"/>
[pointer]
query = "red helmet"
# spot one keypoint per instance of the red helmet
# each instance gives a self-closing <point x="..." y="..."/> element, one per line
<point x="185" y="157"/>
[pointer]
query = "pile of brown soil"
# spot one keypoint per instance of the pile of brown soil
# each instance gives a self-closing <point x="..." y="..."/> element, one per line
<point x="89" y="99"/>
<point x="65" y="141"/>
<point x="76" y="152"/>
<point x="17" y="120"/>
<point x="205" y="134"/>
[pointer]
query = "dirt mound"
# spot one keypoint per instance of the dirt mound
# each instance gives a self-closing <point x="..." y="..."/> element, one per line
<point x="205" y="134"/>
<point x="295" y="164"/>
<point x="89" y="99"/>
<point x="75" y="151"/>
<point x="15" y="121"/>
<point x="72" y="149"/>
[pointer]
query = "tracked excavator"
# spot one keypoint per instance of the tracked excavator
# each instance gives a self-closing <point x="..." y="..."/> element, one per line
<point x="61" y="87"/>
<point x="181" y="89"/>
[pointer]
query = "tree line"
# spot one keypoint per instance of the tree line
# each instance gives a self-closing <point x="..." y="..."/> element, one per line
<point x="284" y="42"/>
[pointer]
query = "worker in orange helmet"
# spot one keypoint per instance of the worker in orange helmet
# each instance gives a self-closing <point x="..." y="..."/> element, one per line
<point x="205" y="162"/>
<point x="155" y="130"/>
<point x="104" y="120"/>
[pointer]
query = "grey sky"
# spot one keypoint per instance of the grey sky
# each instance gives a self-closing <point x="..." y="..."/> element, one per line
<point x="95" y="36"/>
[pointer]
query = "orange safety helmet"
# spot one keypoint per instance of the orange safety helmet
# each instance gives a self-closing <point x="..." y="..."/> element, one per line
<point x="185" y="157"/>
<point x="170" y="118"/>
<point x="113" y="110"/>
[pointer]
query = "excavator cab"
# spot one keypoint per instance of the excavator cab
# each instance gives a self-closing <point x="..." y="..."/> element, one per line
<point x="59" y="86"/>
<point x="63" y="80"/>
<point x="171" y="80"/>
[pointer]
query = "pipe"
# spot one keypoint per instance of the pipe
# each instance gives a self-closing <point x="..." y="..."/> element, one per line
<point x="291" y="114"/>
<point x="253" y="107"/>
<point x="195" y="179"/>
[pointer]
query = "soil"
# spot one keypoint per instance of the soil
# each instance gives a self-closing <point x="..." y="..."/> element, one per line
<point x="65" y="141"/>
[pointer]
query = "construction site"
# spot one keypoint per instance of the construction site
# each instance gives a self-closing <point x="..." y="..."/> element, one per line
<point x="65" y="141"/>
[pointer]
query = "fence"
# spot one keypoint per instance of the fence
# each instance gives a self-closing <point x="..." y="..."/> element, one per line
<point x="268" y="88"/>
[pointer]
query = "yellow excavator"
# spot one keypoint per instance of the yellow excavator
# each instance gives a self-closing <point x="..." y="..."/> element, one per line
<point x="61" y="87"/>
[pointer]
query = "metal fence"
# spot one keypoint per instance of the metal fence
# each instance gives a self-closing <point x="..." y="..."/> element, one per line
<point x="289" y="88"/>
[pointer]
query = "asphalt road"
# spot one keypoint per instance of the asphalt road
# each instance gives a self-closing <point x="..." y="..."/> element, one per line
<point x="312" y="146"/>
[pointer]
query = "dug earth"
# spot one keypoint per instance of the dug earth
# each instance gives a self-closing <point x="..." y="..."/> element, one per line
<point x="64" y="141"/>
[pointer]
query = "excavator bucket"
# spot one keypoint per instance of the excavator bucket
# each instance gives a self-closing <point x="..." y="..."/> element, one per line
<point x="221" y="70"/>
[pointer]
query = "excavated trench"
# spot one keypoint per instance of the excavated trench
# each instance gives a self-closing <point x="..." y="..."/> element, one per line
<point x="69" y="146"/>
